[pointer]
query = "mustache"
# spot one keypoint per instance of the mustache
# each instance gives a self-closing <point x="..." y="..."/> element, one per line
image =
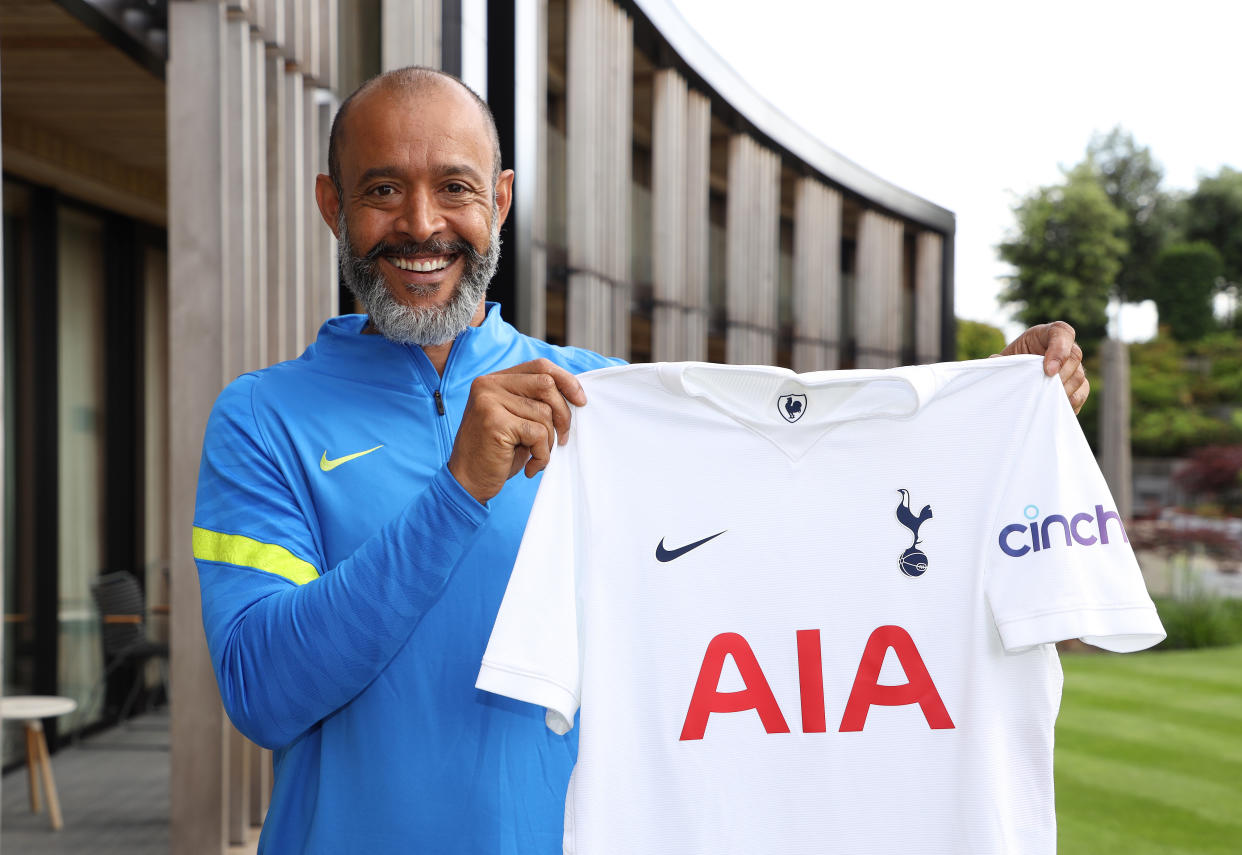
<point x="434" y="246"/>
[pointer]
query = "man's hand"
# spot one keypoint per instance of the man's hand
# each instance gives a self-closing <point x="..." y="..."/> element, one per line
<point x="512" y="420"/>
<point x="1055" y="343"/>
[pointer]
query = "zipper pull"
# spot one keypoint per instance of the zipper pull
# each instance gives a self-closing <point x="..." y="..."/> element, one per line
<point x="439" y="402"/>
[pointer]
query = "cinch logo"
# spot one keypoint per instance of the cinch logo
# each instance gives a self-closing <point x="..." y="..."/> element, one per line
<point x="1082" y="528"/>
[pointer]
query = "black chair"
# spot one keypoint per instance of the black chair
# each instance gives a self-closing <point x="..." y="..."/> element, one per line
<point x="122" y="610"/>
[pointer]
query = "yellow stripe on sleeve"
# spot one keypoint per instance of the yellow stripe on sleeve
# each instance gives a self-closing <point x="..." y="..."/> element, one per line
<point x="246" y="552"/>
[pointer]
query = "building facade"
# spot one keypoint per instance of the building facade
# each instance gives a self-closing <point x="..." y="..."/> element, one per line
<point x="160" y="237"/>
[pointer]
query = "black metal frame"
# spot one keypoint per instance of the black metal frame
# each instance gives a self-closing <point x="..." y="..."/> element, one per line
<point x="117" y="36"/>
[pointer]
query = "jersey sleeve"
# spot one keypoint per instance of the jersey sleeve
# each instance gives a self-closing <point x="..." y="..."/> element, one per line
<point x="292" y="640"/>
<point x="534" y="652"/>
<point x="1059" y="563"/>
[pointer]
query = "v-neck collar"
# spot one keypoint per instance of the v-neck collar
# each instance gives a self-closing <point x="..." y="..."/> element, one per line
<point x="794" y="411"/>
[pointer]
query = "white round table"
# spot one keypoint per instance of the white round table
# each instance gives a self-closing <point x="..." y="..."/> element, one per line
<point x="31" y="710"/>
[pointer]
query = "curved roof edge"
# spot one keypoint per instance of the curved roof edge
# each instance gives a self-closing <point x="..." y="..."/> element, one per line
<point x="721" y="76"/>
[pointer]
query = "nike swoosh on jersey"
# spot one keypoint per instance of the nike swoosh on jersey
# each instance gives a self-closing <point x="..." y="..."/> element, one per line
<point x="328" y="465"/>
<point x="663" y="554"/>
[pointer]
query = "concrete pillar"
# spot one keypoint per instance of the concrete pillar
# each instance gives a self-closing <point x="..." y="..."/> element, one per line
<point x="308" y="45"/>
<point x="409" y="33"/>
<point x="1115" y="458"/>
<point x="235" y="90"/>
<point x="698" y="175"/>
<point x="326" y="270"/>
<point x="257" y="246"/>
<point x="199" y="261"/>
<point x="238" y="294"/>
<point x="474" y="41"/>
<point x="680" y="157"/>
<point x="272" y="21"/>
<point x="315" y="308"/>
<point x="278" y="198"/>
<point x="260" y="784"/>
<point x="239" y="749"/>
<point x="619" y="130"/>
<point x="927" y="309"/>
<point x="329" y="72"/>
<point x="816" y="276"/>
<point x="753" y="237"/>
<point x="297" y="197"/>
<point x="878" y="291"/>
<point x="598" y="142"/>
<point x="669" y="221"/>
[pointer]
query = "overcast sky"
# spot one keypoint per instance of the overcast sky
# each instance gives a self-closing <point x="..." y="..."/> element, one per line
<point x="972" y="104"/>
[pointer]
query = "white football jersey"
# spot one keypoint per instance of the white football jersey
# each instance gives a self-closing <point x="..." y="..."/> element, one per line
<point x="815" y="613"/>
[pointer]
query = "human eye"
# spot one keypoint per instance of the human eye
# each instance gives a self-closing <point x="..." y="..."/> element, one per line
<point x="383" y="190"/>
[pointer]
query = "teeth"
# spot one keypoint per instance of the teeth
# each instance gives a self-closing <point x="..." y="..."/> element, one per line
<point x="425" y="266"/>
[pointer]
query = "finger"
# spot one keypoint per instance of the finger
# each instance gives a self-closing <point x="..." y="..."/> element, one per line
<point x="1073" y="380"/>
<point x="1058" y="341"/>
<point x="566" y="383"/>
<point x="1079" y="395"/>
<point x="534" y="446"/>
<point x="543" y="389"/>
<point x="527" y="412"/>
<point x="1072" y="365"/>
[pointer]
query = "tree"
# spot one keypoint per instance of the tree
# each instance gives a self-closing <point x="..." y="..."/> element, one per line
<point x="1186" y="276"/>
<point x="1184" y="395"/>
<point x="976" y="340"/>
<point x="1067" y="251"/>
<point x="1214" y="214"/>
<point x="1131" y="178"/>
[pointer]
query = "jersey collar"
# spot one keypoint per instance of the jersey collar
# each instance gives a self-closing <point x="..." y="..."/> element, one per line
<point x="795" y="411"/>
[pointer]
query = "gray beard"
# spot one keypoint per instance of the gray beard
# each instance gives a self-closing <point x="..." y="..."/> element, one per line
<point x="425" y="326"/>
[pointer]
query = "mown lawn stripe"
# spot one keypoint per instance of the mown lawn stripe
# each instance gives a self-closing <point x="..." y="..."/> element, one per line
<point x="1208" y="800"/>
<point x="1212" y="665"/>
<point x="1202" y="763"/>
<point x="1142" y="724"/>
<point x="1170" y="692"/>
<point x="1184" y="713"/>
<point x="1149" y="754"/>
<point x="1100" y="819"/>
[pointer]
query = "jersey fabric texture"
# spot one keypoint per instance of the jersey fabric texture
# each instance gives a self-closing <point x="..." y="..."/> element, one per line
<point x="349" y="584"/>
<point x="815" y="613"/>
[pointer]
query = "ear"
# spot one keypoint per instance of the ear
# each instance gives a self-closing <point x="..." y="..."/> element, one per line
<point x="504" y="194"/>
<point x="328" y="200"/>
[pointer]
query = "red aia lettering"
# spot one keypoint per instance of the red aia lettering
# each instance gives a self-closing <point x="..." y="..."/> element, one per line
<point x="811" y="681"/>
<point x="919" y="688"/>
<point x="866" y="691"/>
<point x="756" y="696"/>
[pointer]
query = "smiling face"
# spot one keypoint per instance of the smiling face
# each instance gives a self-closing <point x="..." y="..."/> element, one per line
<point x="417" y="216"/>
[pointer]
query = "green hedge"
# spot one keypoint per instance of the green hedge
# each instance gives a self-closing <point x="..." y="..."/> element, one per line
<point x="1200" y="621"/>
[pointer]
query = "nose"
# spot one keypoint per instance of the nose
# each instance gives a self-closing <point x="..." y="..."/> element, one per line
<point x="421" y="217"/>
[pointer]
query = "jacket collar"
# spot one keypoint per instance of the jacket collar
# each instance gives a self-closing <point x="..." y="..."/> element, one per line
<point x="342" y="349"/>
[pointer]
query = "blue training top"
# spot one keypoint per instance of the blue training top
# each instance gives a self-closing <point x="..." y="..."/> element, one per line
<point x="349" y="587"/>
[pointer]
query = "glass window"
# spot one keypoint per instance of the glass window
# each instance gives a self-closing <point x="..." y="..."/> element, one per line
<point x="80" y="449"/>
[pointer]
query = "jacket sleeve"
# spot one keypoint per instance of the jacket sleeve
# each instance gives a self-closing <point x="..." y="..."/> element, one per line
<point x="289" y="641"/>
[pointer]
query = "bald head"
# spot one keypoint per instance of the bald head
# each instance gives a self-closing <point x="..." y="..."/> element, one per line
<point x="412" y="81"/>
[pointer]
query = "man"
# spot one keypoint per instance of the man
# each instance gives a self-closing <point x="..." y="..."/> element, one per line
<point x="352" y="534"/>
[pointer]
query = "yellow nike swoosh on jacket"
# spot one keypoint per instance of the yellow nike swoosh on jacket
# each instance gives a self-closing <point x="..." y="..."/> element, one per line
<point x="328" y="465"/>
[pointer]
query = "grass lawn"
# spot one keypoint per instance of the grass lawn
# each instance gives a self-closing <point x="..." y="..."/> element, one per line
<point x="1149" y="753"/>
